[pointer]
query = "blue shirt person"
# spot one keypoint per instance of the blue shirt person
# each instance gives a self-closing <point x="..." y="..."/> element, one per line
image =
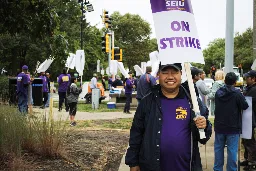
<point x="164" y="134"/>
<point x="22" y="90"/>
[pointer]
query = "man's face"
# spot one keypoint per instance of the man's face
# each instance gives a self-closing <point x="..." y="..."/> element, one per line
<point x="130" y="75"/>
<point x="197" y="77"/>
<point x="47" y="75"/>
<point x="250" y="81"/>
<point x="203" y="76"/>
<point x="170" y="79"/>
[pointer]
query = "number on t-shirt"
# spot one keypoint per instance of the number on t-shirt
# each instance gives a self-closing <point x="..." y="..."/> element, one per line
<point x="65" y="78"/>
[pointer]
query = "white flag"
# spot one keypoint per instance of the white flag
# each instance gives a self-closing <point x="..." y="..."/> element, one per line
<point x="80" y="61"/>
<point x="45" y="65"/>
<point x="138" y="70"/>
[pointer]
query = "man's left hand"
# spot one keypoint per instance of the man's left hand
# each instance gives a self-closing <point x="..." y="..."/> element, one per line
<point x="200" y="122"/>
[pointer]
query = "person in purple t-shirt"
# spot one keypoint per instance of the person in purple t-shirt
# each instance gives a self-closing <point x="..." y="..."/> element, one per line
<point x="64" y="82"/>
<point x="22" y="90"/>
<point x="164" y="135"/>
<point x="128" y="93"/>
<point x="45" y="88"/>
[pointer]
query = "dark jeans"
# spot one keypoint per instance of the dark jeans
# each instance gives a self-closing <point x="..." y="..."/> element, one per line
<point x="127" y="103"/>
<point x="23" y="103"/>
<point x="72" y="108"/>
<point x="62" y="98"/>
<point x="45" y="95"/>
<point x="250" y="148"/>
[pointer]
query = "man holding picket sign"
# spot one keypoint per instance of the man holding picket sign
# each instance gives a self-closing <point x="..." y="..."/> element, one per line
<point x="171" y="120"/>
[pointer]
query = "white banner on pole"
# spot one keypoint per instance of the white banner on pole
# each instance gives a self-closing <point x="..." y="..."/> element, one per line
<point x="45" y="65"/>
<point x="138" y="70"/>
<point x="247" y="120"/>
<point x="80" y="62"/>
<point x="98" y="65"/>
<point x="71" y="61"/>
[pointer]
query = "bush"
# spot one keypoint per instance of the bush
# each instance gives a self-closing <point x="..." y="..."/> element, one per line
<point x="4" y="91"/>
<point x="18" y="133"/>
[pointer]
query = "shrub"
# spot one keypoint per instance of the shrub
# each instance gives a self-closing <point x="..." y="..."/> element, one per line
<point x="18" y="133"/>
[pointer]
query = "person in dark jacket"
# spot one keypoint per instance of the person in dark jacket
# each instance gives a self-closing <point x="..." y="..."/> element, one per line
<point x="250" y="144"/>
<point x="72" y="99"/>
<point x="117" y="82"/>
<point x="229" y="103"/>
<point x="195" y="72"/>
<point x="164" y="135"/>
<point x="128" y="93"/>
<point x="145" y="83"/>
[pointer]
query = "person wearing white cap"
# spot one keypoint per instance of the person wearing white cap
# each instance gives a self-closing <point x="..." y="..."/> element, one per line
<point x="22" y="90"/>
<point x="93" y="83"/>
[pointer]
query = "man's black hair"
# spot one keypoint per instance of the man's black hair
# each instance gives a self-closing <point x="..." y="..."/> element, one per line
<point x="73" y="79"/>
<point x="194" y="72"/>
<point x="230" y="78"/>
<point x="64" y="71"/>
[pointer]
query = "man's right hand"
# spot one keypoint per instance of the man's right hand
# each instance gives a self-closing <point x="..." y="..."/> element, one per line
<point x="136" y="168"/>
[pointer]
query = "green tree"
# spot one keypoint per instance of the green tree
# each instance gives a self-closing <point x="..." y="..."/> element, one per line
<point x="132" y="34"/>
<point x="243" y="53"/>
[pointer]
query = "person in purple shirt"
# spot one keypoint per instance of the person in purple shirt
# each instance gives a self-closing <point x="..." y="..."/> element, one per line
<point x="128" y="93"/>
<point x="164" y="135"/>
<point x="22" y="90"/>
<point x="45" y="89"/>
<point x="64" y="82"/>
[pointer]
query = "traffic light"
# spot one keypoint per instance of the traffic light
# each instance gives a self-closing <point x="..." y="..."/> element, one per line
<point x="117" y="54"/>
<point x="105" y="43"/>
<point x="108" y="23"/>
<point x="105" y="16"/>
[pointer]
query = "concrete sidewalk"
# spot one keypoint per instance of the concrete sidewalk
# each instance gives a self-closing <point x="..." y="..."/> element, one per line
<point x="84" y="115"/>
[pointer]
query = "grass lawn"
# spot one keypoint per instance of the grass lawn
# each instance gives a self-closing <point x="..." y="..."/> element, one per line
<point x="82" y="107"/>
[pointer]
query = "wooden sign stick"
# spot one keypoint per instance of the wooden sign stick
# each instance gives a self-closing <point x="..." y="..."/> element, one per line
<point x="193" y="96"/>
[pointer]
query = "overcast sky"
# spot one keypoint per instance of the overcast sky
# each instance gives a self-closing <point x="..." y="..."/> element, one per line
<point x="210" y="15"/>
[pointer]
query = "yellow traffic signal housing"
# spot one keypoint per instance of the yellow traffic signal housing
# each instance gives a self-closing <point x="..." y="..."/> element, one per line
<point x="118" y="54"/>
<point x="112" y="54"/>
<point x="105" y="43"/>
<point x="105" y="16"/>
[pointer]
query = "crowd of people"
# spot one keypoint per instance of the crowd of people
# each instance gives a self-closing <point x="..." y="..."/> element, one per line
<point x="165" y="115"/>
<point x="68" y="92"/>
<point x="163" y="122"/>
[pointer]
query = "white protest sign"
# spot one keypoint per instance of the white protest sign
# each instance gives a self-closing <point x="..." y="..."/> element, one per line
<point x="80" y="62"/>
<point x="254" y="65"/>
<point x="138" y="70"/>
<point x="247" y="120"/>
<point x="177" y="39"/>
<point x="176" y="32"/>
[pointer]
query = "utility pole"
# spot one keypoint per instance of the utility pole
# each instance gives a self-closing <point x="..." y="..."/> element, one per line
<point x="229" y="42"/>
<point x="82" y="16"/>
<point x="254" y="30"/>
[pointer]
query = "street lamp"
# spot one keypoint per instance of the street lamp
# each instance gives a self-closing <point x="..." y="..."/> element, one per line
<point x="85" y="7"/>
